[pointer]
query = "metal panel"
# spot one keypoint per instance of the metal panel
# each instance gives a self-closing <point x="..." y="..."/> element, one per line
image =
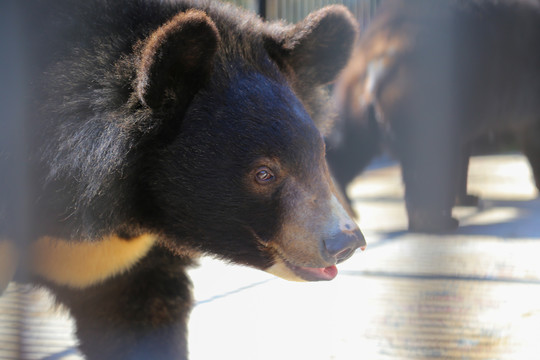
<point x="293" y="11"/>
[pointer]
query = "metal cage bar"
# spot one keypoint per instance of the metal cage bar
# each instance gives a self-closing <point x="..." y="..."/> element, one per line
<point x="295" y="10"/>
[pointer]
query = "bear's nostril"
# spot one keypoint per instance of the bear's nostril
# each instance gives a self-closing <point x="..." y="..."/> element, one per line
<point x="344" y="255"/>
<point x="342" y="245"/>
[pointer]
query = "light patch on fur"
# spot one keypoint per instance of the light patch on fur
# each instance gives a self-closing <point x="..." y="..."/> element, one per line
<point x="280" y="269"/>
<point x="9" y="257"/>
<point x="343" y="221"/>
<point x="376" y="58"/>
<point x="375" y="71"/>
<point x="82" y="264"/>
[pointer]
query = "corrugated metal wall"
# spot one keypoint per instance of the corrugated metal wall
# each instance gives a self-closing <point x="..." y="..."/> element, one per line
<point x="252" y="5"/>
<point x="295" y="10"/>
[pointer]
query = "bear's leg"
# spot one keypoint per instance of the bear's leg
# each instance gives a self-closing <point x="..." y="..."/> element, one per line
<point x="429" y="164"/>
<point x="140" y="315"/>
<point x="531" y="149"/>
<point x="462" y="197"/>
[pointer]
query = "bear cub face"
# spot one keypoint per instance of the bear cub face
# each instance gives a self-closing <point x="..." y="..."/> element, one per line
<point x="240" y="170"/>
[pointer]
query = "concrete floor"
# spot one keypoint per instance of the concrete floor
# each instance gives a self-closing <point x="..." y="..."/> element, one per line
<point x="472" y="294"/>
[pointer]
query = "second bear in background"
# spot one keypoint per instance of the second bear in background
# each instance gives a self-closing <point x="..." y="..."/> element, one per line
<point x="427" y="79"/>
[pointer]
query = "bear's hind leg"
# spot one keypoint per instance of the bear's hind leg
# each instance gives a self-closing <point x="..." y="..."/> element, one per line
<point x="462" y="197"/>
<point x="429" y="163"/>
<point x="141" y="314"/>
<point x="531" y="148"/>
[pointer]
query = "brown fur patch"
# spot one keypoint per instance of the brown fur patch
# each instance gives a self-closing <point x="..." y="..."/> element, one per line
<point x="373" y="62"/>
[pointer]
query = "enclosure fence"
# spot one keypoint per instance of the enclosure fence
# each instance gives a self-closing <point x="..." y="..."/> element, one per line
<point x="295" y="10"/>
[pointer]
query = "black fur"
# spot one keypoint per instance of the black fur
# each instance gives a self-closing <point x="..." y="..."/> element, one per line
<point x="146" y="319"/>
<point x="149" y="116"/>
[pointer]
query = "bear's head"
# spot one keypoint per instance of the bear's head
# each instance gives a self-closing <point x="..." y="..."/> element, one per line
<point x="236" y="166"/>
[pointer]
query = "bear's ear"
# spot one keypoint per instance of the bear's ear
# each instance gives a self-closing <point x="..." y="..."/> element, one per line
<point x="176" y="60"/>
<point x="318" y="47"/>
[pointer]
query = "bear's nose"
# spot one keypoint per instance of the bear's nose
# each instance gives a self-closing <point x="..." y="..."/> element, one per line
<point x="342" y="245"/>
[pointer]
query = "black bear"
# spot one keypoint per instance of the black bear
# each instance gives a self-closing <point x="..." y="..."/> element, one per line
<point x="158" y="131"/>
<point x="427" y="79"/>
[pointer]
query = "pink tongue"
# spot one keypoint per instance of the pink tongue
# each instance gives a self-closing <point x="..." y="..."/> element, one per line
<point x="327" y="273"/>
<point x="330" y="271"/>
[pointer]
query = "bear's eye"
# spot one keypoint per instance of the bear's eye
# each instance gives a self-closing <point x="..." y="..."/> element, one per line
<point x="264" y="175"/>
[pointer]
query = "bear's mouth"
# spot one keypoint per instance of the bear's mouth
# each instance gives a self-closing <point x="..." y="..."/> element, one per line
<point x="314" y="274"/>
<point x="311" y="273"/>
<point x="284" y="269"/>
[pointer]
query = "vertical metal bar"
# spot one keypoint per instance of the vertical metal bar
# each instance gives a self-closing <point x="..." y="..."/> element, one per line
<point x="14" y="215"/>
<point x="271" y="9"/>
<point x="262" y="8"/>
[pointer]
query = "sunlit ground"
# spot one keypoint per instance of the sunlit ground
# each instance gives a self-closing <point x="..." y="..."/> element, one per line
<point x="472" y="294"/>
